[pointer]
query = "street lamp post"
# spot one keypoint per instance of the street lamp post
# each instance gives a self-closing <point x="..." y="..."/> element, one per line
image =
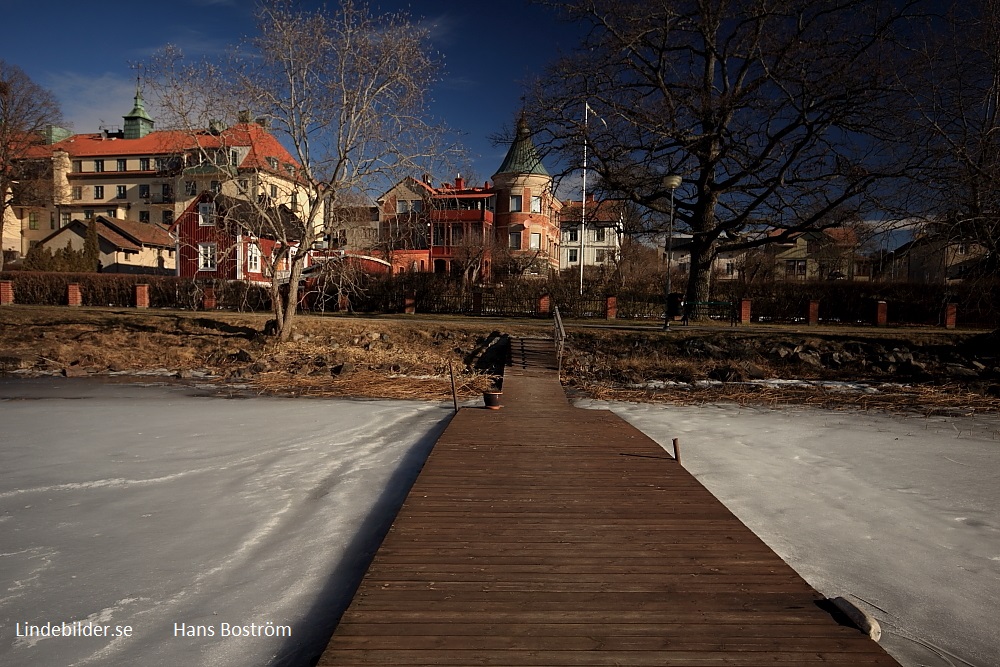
<point x="673" y="182"/>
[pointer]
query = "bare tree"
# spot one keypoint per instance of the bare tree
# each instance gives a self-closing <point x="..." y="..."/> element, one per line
<point x="26" y="111"/>
<point x="956" y="113"/>
<point x="344" y="90"/>
<point x="774" y="112"/>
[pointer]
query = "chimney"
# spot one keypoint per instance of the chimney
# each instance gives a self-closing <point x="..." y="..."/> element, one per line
<point x="459" y="182"/>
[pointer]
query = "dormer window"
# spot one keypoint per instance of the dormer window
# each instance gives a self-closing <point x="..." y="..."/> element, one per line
<point x="272" y="163"/>
<point x="206" y="214"/>
<point x="234" y="158"/>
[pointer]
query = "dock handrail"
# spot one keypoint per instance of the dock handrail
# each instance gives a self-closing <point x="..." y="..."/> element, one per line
<point x="559" y="336"/>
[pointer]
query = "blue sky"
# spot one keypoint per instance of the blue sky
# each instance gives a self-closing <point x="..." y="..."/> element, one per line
<point x="82" y="52"/>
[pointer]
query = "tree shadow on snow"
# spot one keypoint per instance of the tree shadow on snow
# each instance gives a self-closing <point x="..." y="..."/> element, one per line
<point x="313" y="633"/>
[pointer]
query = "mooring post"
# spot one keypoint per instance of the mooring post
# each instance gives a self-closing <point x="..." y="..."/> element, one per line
<point x="454" y="392"/>
<point x="677" y="450"/>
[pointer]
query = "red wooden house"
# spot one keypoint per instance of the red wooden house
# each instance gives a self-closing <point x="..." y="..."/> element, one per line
<point x="223" y="237"/>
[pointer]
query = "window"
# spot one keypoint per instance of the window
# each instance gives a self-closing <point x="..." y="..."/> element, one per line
<point x="121" y="191"/>
<point x="295" y="201"/>
<point x="573" y="256"/>
<point x="112" y="213"/>
<point x="88" y="214"/>
<point x="52" y="220"/>
<point x="409" y="205"/>
<point x="122" y="165"/>
<point x="515" y="240"/>
<point x="234" y="158"/>
<point x="161" y="163"/>
<point x="573" y="236"/>
<point x="515" y="203"/>
<point x="244" y="185"/>
<point x="64" y="218"/>
<point x="78" y="166"/>
<point x="167" y="218"/>
<point x="795" y="268"/>
<point x="272" y="162"/>
<point x="33" y="220"/>
<point x="98" y="192"/>
<point x="144" y="164"/>
<point x="274" y="191"/>
<point x="216" y="187"/>
<point x="206" y="256"/>
<point x="98" y="165"/>
<point x="253" y="258"/>
<point x="166" y="191"/>
<point x="144" y="191"/>
<point x="599" y="234"/>
<point x="77" y="192"/>
<point x="535" y="241"/>
<point x="536" y="204"/>
<point x="730" y="268"/>
<point x="144" y="216"/>
<point x="206" y="214"/>
<point x="600" y="256"/>
<point x="190" y="188"/>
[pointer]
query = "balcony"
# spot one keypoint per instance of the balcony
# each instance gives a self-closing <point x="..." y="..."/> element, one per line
<point x="460" y="215"/>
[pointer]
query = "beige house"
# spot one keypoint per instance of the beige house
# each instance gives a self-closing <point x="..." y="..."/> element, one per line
<point x="932" y="260"/>
<point x="125" y="246"/>
<point x="829" y="254"/>
<point x="600" y="243"/>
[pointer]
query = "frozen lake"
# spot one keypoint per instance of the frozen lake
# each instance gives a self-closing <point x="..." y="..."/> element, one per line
<point x="174" y="519"/>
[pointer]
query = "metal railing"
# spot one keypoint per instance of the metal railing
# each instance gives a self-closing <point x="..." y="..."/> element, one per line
<point x="559" y="336"/>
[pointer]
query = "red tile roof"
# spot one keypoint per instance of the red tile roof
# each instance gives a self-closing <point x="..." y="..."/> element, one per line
<point x="169" y="142"/>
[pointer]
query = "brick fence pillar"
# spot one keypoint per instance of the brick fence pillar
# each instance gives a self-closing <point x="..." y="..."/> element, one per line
<point x="410" y="303"/>
<point x="73" y="297"/>
<point x="813" y="313"/>
<point x="477" y="303"/>
<point x="208" y="301"/>
<point x="611" y="308"/>
<point x="544" y="304"/>
<point x="950" y="315"/>
<point x="881" y="313"/>
<point x="744" y="314"/>
<point x="142" y="296"/>
<point x="6" y="292"/>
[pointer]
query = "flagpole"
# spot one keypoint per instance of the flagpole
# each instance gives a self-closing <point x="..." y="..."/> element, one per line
<point x="583" y="204"/>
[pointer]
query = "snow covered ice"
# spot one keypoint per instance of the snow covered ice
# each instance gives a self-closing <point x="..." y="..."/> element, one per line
<point x="175" y="511"/>
<point x="152" y="507"/>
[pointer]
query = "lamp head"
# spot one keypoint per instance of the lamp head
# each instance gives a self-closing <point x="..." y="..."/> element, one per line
<point x="672" y="181"/>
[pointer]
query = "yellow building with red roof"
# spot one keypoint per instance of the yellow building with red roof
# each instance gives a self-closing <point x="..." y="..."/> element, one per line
<point x="150" y="176"/>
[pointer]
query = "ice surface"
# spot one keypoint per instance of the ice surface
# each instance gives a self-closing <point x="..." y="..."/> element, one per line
<point x="156" y="506"/>
<point x="898" y="513"/>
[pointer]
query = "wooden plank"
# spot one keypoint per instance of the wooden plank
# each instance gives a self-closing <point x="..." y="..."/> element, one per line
<point x="541" y="534"/>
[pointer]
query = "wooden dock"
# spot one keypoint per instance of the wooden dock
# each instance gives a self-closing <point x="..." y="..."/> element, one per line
<point x="542" y="534"/>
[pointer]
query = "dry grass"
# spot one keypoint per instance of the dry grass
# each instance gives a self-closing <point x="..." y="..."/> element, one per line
<point x="924" y="400"/>
<point x="392" y="357"/>
<point x="408" y="357"/>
